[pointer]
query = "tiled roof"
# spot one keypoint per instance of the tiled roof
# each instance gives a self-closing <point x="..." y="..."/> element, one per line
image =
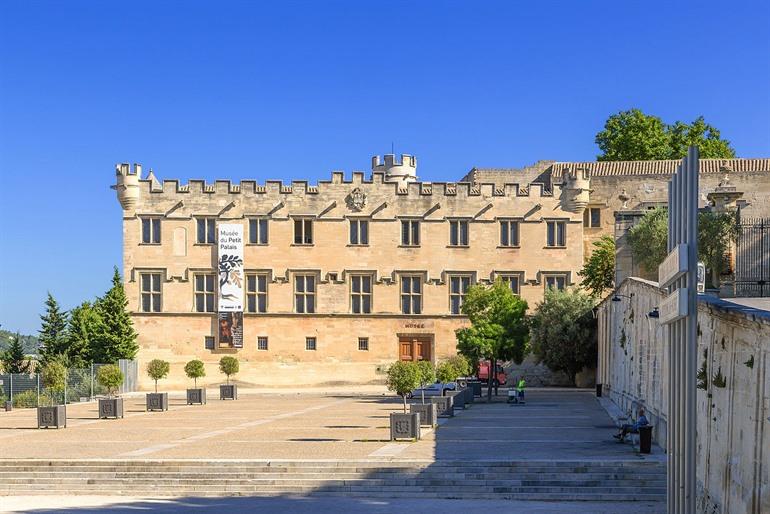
<point x="610" y="168"/>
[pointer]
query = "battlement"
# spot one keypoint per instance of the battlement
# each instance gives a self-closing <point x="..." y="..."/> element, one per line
<point x="402" y="171"/>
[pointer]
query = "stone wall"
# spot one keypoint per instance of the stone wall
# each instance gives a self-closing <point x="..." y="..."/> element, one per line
<point x="733" y="429"/>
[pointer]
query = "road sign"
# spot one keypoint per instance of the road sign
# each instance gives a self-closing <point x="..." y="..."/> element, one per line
<point x="674" y="266"/>
<point x="674" y="306"/>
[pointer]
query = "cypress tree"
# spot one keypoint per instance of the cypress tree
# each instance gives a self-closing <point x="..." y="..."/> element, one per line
<point x="14" y="360"/>
<point x="53" y="329"/>
<point x="118" y="338"/>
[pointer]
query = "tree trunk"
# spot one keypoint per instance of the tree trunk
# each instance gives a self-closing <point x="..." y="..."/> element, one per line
<point x="422" y="393"/>
<point x="156" y="387"/>
<point x="403" y="396"/>
<point x="489" y="380"/>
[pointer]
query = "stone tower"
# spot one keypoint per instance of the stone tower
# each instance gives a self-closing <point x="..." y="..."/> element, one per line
<point x="402" y="172"/>
<point x="127" y="185"/>
<point x="576" y="189"/>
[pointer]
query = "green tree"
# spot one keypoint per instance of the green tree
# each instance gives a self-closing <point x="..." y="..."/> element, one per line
<point x="195" y="370"/>
<point x="599" y="270"/>
<point x="634" y="136"/>
<point x="110" y="377"/>
<point x="564" y="331"/>
<point x="452" y="368"/>
<point x="53" y="330"/>
<point x="499" y="329"/>
<point x="648" y="239"/>
<point x="13" y="359"/>
<point x="53" y="377"/>
<point x="86" y="328"/>
<point x="118" y="338"/>
<point x="403" y="378"/>
<point x="158" y="369"/>
<point x="229" y="366"/>
<point x="427" y="375"/>
<point x="716" y="232"/>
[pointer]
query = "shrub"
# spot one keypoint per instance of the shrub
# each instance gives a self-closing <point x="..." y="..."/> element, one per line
<point x="195" y="370"/>
<point x="229" y="366"/>
<point x="110" y="377"/>
<point x="158" y="369"/>
<point x="461" y="364"/>
<point x="28" y="399"/>
<point x="427" y="374"/>
<point x="403" y="377"/>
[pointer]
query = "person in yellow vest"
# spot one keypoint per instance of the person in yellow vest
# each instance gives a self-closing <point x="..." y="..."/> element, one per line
<point x="520" y="389"/>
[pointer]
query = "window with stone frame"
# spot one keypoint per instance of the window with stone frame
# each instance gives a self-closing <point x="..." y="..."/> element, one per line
<point x="458" y="287"/>
<point x="303" y="231"/>
<point x="359" y="232"/>
<point x="258" y="231"/>
<point x="363" y="344"/>
<point x="411" y="294"/>
<point x="311" y="344"/>
<point x="256" y="292"/>
<point x="513" y="281"/>
<point x="150" y="231"/>
<point x="150" y="293"/>
<point x="556" y="232"/>
<point x="410" y="232"/>
<point x="592" y="217"/>
<point x="361" y="294"/>
<point x="458" y="232"/>
<point x="262" y="343"/>
<point x="509" y="233"/>
<point x="555" y="281"/>
<point x="204" y="292"/>
<point x="304" y="293"/>
<point x="206" y="231"/>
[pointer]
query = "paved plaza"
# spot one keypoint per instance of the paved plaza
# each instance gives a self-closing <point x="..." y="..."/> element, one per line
<point x="554" y="424"/>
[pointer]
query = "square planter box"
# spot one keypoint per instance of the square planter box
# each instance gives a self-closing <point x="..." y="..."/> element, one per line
<point x="110" y="408"/>
<point x="444" y="406"/>
<point x="228" y="392"/>
<point x="468" y="394"/>
<point x="404" y="426"/>
<point x="55" y="416"/>
<point x="458" y="398"/>
<point x="475" y="385"/>
<point x="8" y="406"/>
<point x="196" y="396"/>
<point x="427" y="411"/>
<point x="157" y="401"/>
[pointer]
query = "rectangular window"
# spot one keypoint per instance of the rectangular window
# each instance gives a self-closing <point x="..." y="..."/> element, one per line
<point x="258" y="234"/>
<point x="410" y="233"/>
<point x="208" y="342"/>
<point x="207" y="231"/>
<point x="151" y="231"/>
<point x="359" y="232"/>
<point x="411" y="294"/>
<point x="361" y="294"/>
<point x="150" y="291"/>
<point x="458" y="286"/>
<point x="513" y="282"/>
<point x="592" y="217"/>
<point x="458" y="233"/>
<point x="557" y="233"/>
<point x="509" y="233"/>
<point x="555" y="282"/>
<point x="204" y="292"/>
<point x="303" y="232"/>
<point x="256" y="293"/>
<point x="304" y="294"/>
<point x="363" y="344"/>
<point x="310" y="344"/>
<point x="262" y="343"/>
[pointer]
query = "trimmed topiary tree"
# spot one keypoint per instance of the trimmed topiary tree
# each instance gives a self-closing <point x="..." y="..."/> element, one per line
<point x="195" y="370"/>
<point x="53" y="376"/>
<point x="403" y="378"/>
<point x="427" y="375"/>
<point x="158" y="369"/>
<point x="229" y="366"/>
<point x="110" y="377"/>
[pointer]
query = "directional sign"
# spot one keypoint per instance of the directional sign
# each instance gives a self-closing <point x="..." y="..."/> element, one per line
<point x="674" y="306"/>
<point x="674" y="266"/>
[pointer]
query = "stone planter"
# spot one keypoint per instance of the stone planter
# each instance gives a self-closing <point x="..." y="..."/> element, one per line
<point x="404" y="426"/>
<point x="55" y="416"/>
<point x="110" y="408"/>
<point x="475" y="386"/>
<point x="427" y="411"/>
<point x="157" y="401"/>
<point x="468" y="394"/>
<point x="196" y="396"/>
<point x="8" y="406"/>
<point x="458" y="398"/>
<point x="444" y="406"/>
<point x="228" y="392"/>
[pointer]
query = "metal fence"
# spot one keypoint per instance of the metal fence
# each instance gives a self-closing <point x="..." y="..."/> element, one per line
<point x="27" y="390"/>
<point x="752" y="258"/>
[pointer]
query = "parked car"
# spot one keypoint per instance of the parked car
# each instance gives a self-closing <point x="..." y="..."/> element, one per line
<point x="437" y="389"/>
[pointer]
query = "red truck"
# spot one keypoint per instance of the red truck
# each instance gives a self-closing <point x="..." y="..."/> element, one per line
<point x="500" y="378"/>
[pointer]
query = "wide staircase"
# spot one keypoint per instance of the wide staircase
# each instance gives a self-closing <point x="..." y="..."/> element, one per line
<point x="627" y="480"/>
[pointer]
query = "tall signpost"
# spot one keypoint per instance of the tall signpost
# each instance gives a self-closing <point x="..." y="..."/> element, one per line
<point x="678" y="275"/>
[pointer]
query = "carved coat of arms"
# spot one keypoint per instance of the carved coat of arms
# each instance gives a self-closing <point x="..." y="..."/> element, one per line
<point x="357" y="199"/>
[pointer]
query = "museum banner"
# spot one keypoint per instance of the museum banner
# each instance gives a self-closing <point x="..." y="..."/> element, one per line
<point x="231" y="279"/>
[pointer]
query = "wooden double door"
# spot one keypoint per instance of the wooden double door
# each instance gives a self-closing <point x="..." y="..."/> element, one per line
<point x="415" y="348"/>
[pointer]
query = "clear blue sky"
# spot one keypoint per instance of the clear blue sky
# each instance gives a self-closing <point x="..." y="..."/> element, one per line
<point x="294" y="90"/>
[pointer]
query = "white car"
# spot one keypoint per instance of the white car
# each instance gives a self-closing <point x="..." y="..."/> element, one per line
<point x="437" y="389"/>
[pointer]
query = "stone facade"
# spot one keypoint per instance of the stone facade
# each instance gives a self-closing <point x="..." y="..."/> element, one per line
<point x="733" y="397"/>
<point x="161" y="244"/>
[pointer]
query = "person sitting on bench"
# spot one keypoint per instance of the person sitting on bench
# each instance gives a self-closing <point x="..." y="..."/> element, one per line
<point x="632" y="429"/>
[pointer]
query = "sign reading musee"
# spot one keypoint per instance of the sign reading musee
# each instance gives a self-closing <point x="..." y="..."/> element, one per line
<point x="674" y="306"/>
<point x="674" y="266"/>
<point x="230" y="267"/>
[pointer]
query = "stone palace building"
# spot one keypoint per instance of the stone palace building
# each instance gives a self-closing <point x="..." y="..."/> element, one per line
<point x="330" y="283"/>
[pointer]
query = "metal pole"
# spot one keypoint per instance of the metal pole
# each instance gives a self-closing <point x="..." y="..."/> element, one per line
<point x="692" y="327"/>
<point x="10" y="390"/>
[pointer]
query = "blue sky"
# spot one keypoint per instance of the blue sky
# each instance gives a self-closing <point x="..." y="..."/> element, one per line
<point x="294" y="90"/>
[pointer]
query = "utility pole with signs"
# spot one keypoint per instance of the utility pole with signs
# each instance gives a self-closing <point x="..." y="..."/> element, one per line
<point x="678" y="276"/>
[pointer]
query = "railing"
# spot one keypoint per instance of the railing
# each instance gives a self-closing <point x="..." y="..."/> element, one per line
<point x="752" y="258"/>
